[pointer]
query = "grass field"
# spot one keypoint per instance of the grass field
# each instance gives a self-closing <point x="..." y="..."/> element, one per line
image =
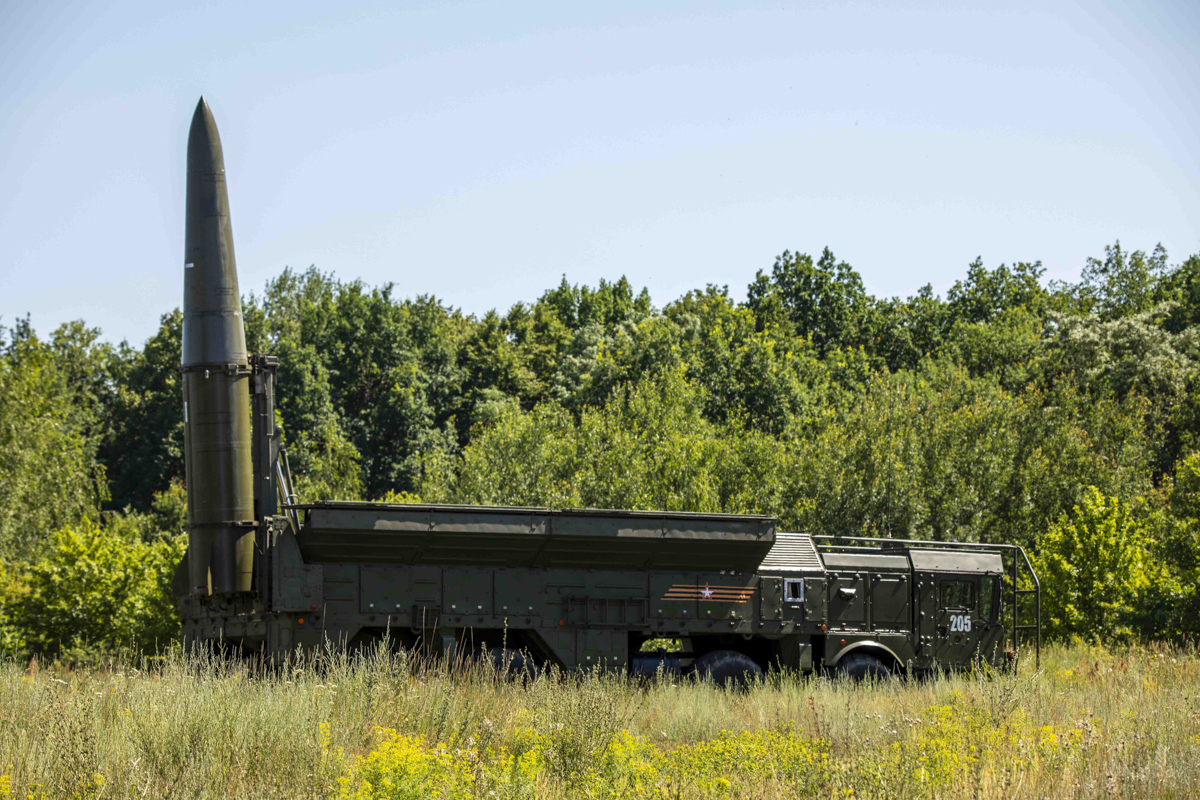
<point x="1090" y="722"/>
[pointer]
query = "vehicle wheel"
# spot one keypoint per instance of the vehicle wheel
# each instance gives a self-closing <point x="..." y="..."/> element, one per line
<point x="727" y="668"/>
<point x="861" y="666"/>
<point x="514" y="664"/>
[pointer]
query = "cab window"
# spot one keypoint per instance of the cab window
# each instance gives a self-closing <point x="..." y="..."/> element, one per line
<point x="987" y="598"/>
<point x="958" y="594"/>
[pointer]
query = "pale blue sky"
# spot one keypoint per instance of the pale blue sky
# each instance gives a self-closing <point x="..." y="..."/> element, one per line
<point x="479" y="151"/>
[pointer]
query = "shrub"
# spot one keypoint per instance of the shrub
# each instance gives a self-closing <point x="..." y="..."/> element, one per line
<point x="1094" y="565"/>
<point x="101" y="587"/>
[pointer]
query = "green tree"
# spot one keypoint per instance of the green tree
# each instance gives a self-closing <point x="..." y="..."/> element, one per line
<point x="1170" y="607"/>
<point x="608" y="305"/>
<point x="143" y="452"/>
<point x="825" y="301"/>
<point x="1011" y="347"/>
<point x="1182" y="286"/>
<point x="1135" y="356"/>
<point x="102" y="587"/>
<point x="49" y="435"/>
<point x="908" y="331"/>
<point x="939" y="454"/>
<point x="757" y="374"/>
<point x="358" y="368"/>
<point x="985" y="294"/>
<point x="521" y="457"/>
<point x="1121" y="283"/>
<point x="540" y="337"/>
<point x="1095" y="566"/>
<point x="648" y="447"/>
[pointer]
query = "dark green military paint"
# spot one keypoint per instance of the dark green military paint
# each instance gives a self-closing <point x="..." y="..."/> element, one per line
<point x="216" y="379"/>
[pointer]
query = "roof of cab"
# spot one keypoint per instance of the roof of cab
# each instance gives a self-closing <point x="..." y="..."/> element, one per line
<point x="865" y="560"/>
<point x="979" y="561"/>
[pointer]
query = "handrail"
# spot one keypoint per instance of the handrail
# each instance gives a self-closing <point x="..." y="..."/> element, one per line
<point x="285" y="487"/>
<point x="928" y="543"/>
<point x="911" y="542"/>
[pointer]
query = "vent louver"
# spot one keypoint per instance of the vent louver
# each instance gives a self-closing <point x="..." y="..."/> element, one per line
<point x="792" y="552"/>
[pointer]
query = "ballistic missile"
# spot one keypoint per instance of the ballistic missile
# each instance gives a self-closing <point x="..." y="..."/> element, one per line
<point x="216" y="379"/>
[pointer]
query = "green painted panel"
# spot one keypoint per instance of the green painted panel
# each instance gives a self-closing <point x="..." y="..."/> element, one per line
<point x="770" y="593"/>
<point x="673" y="595"/>
<point x="386" y="589"/>
<point x="847" y="603"/>
<point x="891" y="607"/>
<point x="467" y="591"/>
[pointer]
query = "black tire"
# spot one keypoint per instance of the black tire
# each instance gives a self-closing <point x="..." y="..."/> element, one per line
<point x="514" y="664"/>
<point x="863" y="666"/>
<point x="727" y="668"/>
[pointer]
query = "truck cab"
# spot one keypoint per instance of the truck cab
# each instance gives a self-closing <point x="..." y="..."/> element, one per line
<point x="957" y="597"/>
<point x="922" y="605"/>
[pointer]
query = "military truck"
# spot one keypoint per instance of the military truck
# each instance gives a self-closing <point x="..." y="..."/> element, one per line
<point x="577" y="589"/>
<point x="594" y="589"/>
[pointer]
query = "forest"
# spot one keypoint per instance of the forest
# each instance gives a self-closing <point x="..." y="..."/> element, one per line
<point x="1064" y="417"/>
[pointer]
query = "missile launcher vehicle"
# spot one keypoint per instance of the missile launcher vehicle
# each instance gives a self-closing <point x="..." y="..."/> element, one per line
<point x="577" y="589"/>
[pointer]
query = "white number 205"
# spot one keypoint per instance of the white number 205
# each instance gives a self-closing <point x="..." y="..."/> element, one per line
<point x="960" y="623"/>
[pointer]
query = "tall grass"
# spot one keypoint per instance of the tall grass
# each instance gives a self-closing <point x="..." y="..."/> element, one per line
<point x="1090" y="722"/>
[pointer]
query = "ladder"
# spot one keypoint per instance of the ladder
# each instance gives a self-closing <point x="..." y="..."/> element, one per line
<point x="1018" y="627"/>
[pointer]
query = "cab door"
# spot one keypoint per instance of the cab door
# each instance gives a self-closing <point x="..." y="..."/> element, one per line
<point x="991" y="638"/>
<point x="925" y="618"/>
<point x="959" y="626"/>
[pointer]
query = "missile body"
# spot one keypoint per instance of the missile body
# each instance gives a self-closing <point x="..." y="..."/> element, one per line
<point x="216" y="379"/>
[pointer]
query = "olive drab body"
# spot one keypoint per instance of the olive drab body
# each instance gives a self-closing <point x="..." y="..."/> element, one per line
<point x="579" y="589"/>
<point x="216" y="379"/>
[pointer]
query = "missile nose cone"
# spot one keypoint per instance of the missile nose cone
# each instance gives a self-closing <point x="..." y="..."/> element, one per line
<point x="204" y="143"/>
<point x="212" y="308"/>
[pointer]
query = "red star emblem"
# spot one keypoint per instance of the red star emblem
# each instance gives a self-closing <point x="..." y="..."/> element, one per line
<point x="706" y="592"/>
